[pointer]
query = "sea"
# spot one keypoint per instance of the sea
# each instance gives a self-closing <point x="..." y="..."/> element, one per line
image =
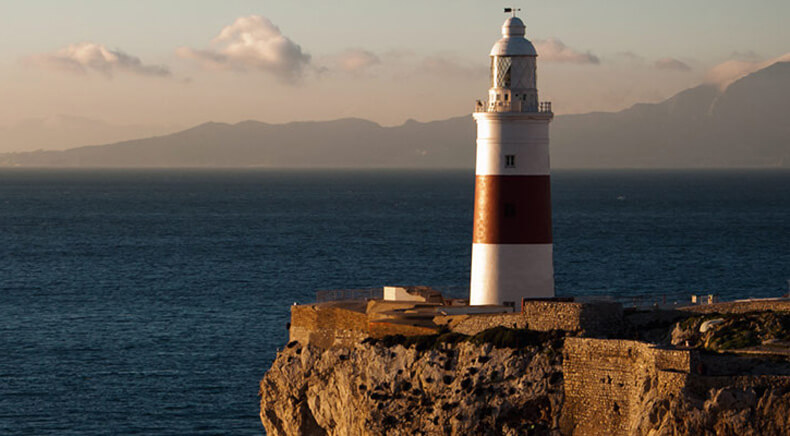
<point x="153" y="301"/>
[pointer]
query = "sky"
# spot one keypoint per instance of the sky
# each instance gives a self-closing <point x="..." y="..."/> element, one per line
<point x="88" y="71"/>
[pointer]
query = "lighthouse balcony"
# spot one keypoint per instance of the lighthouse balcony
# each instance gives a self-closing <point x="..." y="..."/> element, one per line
<point x="512" y="106"/>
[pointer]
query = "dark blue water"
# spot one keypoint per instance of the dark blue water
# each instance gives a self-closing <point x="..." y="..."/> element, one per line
<point x="152" y="302"/>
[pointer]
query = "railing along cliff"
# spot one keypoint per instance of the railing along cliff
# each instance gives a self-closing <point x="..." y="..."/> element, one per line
<point x="348" y="294"/>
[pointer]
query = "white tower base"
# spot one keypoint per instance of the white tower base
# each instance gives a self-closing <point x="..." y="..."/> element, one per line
<point x="530" y="273"/>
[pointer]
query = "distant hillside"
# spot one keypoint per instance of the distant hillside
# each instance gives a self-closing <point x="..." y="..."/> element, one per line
<point x="61" y="132"/>
<point x="339" y="143"/>
<point x="745" y="125"/>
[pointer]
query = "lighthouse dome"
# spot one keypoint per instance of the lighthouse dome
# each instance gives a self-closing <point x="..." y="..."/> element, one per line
<point x="513" y="27"/>
<point x="513" y="42"/>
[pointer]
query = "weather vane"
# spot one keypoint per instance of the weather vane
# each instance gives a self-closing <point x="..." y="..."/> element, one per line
<point x="512" y="11"/>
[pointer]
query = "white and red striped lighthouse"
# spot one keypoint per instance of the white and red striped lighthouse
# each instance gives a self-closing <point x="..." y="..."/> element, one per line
<point x="512" y="250"/>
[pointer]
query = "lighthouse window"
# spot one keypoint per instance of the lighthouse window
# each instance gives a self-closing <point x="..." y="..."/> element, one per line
<point x="500" y="71"/>
<point x="510" y="210"/>
<point x="510" y="161"/>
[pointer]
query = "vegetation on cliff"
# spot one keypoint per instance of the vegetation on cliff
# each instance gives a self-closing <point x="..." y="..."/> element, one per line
<point x="726" y="332"/>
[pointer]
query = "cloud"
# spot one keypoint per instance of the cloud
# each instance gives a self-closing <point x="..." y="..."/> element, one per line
<point x="554" y="50"/>
<point x="353" y="61"/>
<point x="88" y="56"/>
<point x="729" y="71"/>
<point x="356" y="60"/>
<point x="671" y="64"/>
<point x="252" y="43"/>
<point x="449" y="66"/>
<point x="629" y="55"/>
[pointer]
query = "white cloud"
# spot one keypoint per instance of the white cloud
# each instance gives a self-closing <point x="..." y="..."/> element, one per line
<point x="353" y="61"/>
<point x="554" y="50"/>
<point x="88" y="56"/>
<point x="451" y="66"/>
<point x="671" y="64"/>
<point x="729" y="71"/>
<point x="253" y="43"/>
<point x="357" y="60"/>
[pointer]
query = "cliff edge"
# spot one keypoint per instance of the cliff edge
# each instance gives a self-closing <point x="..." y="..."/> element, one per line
<point x="692" y="371"/>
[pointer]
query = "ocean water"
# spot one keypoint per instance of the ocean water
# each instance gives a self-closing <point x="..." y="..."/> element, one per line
<point x="153" y="301"/>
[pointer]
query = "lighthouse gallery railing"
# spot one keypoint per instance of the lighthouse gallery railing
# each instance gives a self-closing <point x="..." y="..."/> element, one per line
<point x="511" y="106"/>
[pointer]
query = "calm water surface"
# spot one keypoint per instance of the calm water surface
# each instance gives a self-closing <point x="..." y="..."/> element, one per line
<point x="152" y="302"/>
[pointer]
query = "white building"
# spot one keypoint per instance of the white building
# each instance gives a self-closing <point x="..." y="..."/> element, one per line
<point x="512" y="251"/>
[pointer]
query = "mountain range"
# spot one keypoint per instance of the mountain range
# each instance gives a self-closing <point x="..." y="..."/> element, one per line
<point x="745" y="125"/>
<point x="61" y="132"/>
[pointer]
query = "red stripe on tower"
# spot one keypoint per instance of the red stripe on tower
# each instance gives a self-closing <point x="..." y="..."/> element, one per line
<point x="512" y="210"/>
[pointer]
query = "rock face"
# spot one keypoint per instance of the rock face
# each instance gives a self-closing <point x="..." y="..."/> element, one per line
<point x="756" y="408"/>
<point x="374" y="388"/>
<point x="520" y="382"/>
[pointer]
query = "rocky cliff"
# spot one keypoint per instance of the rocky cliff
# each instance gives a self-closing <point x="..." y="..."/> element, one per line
<point x="745" y="407"/>
<point x="515" y="381"/>
<point x="450" y="388"/>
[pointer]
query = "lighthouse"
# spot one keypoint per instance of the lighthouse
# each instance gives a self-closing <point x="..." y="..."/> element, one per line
<point x="512" y="242"/>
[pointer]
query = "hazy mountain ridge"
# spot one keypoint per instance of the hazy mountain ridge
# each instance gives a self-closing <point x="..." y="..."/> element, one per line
<point x="60" y="132"/>
<point x="743" y="126"/>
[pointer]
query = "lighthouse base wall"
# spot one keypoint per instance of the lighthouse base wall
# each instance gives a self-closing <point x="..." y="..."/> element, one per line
<point x="509" y="272"/>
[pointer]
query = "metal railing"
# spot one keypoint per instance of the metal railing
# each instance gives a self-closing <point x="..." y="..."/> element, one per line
<point x="349" y="294"/>
<point x="323" y="296"/>
<point x="511" y="106"/>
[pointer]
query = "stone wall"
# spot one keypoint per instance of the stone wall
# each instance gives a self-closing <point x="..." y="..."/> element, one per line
<point x="382" y="328"/>
<point x="474" y="324"/>
<point x="587" y="319"/>
<point x="605" y="381"/>
<point x="346" y="323"/>
<point x="550" y="315"/>
<point x="327" y="326"/>
<point x="741" y="306"/>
